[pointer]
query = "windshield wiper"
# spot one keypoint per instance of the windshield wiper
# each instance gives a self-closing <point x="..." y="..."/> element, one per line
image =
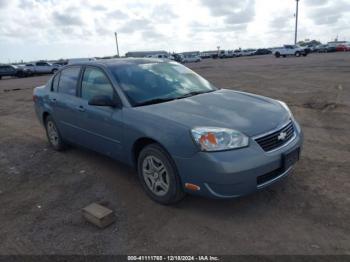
<point x="166" y="99"/>
<point x="156" y="101"/>
<point x="195" y="93"/>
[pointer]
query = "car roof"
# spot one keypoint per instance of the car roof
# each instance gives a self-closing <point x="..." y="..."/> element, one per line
<point x="120" y="62"/>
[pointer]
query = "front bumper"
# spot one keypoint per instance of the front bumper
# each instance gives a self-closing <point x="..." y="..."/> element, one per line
<point x="235" y="173"/>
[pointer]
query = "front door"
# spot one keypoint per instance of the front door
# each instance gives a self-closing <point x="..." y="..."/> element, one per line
<point x="101" y="125"/>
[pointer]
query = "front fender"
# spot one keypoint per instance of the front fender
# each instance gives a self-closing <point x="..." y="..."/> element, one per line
<point x="174" y="137"/>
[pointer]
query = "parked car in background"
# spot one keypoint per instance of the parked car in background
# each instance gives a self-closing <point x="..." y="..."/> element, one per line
<point x="342" y="48"/>
<point x="12" y="71"/>
<point x="331" y="49"/>
<point x="191" y="59"/>
<point x="178" y="57"/>
<point x="205" y="55"/>
<point x="307" y="49"/>
<point x="41" y="68"/>
<point x="248" y="52"/>
<point x="161" y="56"/>
<point x="238" y="52"/>
<point x="290" y="50"/>
<point x="181" y="133"/>
<point x="226" y="54"/>
<point x="321" y="49"/>
<point x="263" y="51"/>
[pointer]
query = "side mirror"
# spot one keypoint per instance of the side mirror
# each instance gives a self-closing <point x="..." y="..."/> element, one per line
<point x="102" y="101"/>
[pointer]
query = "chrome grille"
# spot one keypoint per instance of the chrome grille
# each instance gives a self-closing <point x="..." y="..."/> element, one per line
<point x="273" y="140"/>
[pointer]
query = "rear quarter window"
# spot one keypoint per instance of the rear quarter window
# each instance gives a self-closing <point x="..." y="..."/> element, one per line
<point x="68" y="80"/>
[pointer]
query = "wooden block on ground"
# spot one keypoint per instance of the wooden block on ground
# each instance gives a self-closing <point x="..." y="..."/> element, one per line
<point x="98" y="215"/>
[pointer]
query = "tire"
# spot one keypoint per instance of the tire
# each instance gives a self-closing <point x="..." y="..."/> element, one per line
<point x="284" y="56"/>
<point x="0" y="77"/>
<point x="53" y="135"/>
<point x="297" y="54"/>
<point x="277" y="54"/>
<point x="54" y="71"/>
<point x="158" y="175"/>
<point x="305" y="54"/>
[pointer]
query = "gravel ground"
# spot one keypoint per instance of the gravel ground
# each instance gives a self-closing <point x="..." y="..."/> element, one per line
<point x="42" y="191"/>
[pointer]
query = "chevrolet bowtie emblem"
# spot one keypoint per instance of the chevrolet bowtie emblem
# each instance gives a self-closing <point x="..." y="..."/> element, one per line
<point x="282" y="136"/>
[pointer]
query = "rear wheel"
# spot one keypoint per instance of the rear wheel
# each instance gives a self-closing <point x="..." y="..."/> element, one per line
<point x="277" y="54"/>
<point x="297" y="53"/>
<point x="53" y="134"/>
<point x="158" y="175"/>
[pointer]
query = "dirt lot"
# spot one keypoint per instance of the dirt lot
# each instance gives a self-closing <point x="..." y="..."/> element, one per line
<point x="42" y="191"/>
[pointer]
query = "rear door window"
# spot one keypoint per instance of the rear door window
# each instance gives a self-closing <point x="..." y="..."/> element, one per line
<point x="55" y="81"/>
<point x="69" y="80"/>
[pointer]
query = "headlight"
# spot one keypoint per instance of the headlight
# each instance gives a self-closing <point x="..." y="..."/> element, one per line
<point x="285" y="107"/>
<point x="218" y="139"/>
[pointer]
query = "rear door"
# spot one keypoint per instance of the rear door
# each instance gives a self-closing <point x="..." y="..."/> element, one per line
<point x="101" y="125"/>
<point x="65" y="103"/>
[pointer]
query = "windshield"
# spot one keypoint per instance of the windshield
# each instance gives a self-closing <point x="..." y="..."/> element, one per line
<point x="159" y="82"/>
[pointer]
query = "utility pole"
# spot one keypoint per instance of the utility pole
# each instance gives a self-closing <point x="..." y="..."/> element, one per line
<point x="116" y="41"/>
<point x="296" y="23"/>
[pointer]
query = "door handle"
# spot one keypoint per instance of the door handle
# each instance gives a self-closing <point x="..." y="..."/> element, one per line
<point x="80" y="108"/>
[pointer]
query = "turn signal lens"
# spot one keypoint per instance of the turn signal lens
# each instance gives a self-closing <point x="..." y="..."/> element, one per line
<point x="192" y="187"/>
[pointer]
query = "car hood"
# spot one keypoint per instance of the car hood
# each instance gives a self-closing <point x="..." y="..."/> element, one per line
<point x="248" y="113"/>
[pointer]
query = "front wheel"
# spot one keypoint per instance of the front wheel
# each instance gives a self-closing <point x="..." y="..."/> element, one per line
<point x="277" y="54"/>
<point x="53" y="134"/>
<point x="158" y="175"/>
<point x="297" y="54"/>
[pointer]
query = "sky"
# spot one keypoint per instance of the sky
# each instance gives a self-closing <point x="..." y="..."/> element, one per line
<point x="54" y="29"/>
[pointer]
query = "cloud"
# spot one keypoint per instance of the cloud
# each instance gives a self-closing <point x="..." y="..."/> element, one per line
<point x="64" y="19"/>
<point x="136" y="24"/>
<point x="163" y="13"/>
<point x="219" y="7"/>
<point x="330" y="13"/>
<point x="235" y="13"/>
<point x="3" y="4"/>
<point x="281" y="23"/>
<point x="316" y="2"/>
<point x="236" y="16"/>
<point x="116" y="14"/>
<point x="151" y="34"/>
<point x="98" y="8"/>
<point x="242" y="15"/>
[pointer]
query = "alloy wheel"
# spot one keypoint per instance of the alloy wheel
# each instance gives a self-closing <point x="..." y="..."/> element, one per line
<point x="155" y="175"/>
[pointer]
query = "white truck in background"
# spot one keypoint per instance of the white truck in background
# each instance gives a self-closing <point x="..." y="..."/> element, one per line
<point x="41" y="68"/>
<point x="289" y="50"/>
